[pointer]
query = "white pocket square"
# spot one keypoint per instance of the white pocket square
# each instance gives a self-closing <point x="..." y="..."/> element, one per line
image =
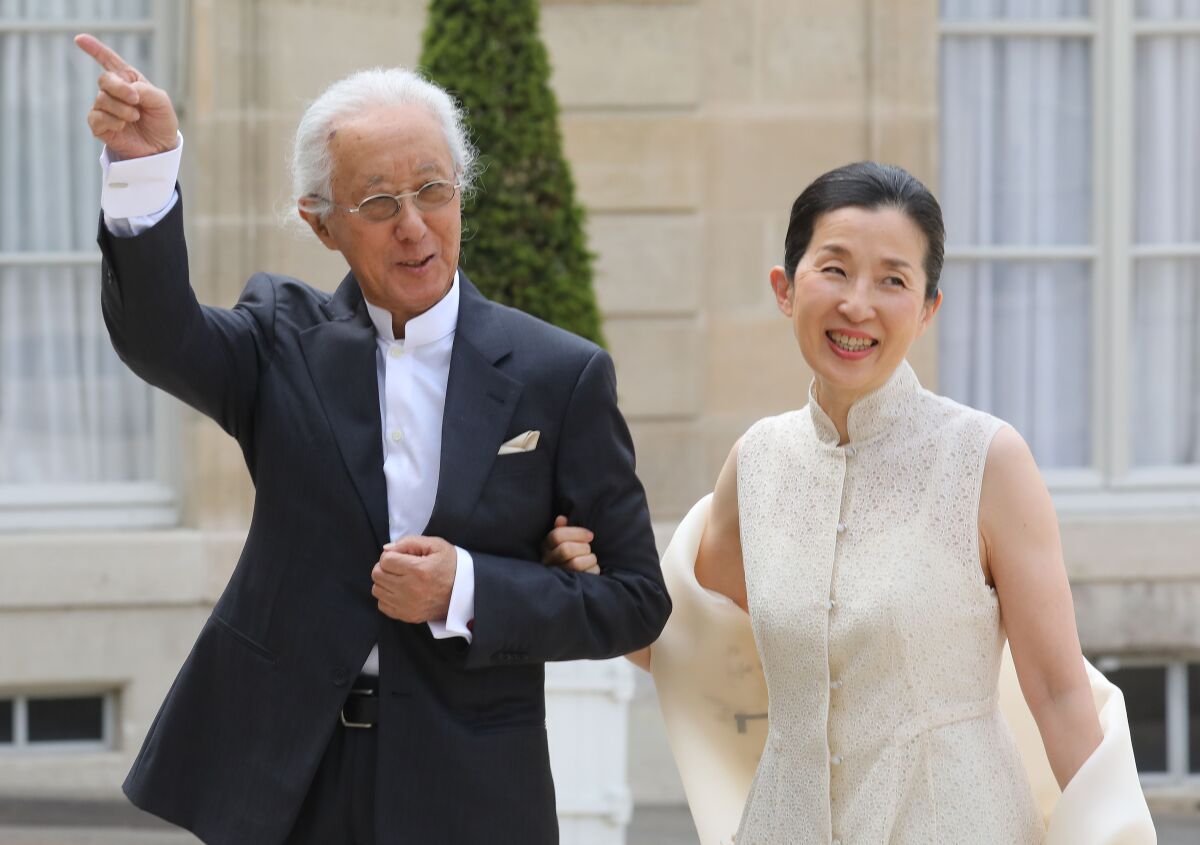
<point x="526" y="442"/>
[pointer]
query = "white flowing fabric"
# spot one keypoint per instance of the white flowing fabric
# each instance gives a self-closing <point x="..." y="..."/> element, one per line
<point x="713" y="698"/>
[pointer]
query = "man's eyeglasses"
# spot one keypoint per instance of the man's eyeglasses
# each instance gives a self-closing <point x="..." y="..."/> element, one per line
<point x="380" y="207"/>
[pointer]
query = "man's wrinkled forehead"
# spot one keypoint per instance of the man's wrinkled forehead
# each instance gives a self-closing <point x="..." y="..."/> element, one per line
<point x="424" y="172"/>
<point x="398" y="148"/>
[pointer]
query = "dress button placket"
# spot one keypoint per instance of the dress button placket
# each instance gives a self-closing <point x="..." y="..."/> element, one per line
<point x="835" y="760"/>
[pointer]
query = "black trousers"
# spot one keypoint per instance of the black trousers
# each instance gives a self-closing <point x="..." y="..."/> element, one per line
<point x="340" y="806"/>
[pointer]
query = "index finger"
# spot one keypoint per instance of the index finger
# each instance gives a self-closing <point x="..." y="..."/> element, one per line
<point x="105" y="56"/>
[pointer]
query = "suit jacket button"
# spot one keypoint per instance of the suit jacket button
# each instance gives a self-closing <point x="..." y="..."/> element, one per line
<point x="340" y="677"/>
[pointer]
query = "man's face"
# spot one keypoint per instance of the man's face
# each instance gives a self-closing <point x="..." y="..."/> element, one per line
<point x="405" y="264"/>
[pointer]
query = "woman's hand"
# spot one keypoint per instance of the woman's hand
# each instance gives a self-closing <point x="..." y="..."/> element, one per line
<point x="570" y="547"/>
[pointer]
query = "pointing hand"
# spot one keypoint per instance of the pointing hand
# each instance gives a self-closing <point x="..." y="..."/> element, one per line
<point x="130" y="115"/>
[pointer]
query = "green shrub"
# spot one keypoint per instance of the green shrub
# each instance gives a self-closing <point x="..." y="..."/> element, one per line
<point x="523" y="238"/>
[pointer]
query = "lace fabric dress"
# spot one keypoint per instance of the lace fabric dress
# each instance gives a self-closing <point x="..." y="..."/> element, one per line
<point x="879" y="639"/>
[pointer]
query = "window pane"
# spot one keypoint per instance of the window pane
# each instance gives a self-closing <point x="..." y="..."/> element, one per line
<point x="66" y="719"/>
<point x="1025" y="10"/>
<point x="1145" y="689"/>
<point x="1167" y="209"/>
<point x="1016" y="140"/>
<point x="1165" y="363"/>
<point x="69" y="411"/>
<point x="1014" y="339"/>
<point x="72" y="10"/>
<point x="1165" y="10"/>
<point x="6" y="721"/>
<point x="1194" y="718"/>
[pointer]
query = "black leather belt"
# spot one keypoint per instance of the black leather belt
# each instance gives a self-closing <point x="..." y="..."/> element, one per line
<point x="361" y="707"/>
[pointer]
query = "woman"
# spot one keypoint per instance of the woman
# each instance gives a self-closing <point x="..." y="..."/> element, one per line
<point x="884" y="540"/>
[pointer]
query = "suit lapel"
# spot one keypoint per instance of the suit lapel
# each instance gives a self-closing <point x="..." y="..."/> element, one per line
<point x="480" y="401"/>
<point x="340" y="356"/>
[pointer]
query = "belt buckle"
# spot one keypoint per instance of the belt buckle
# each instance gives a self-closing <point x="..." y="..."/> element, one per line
<point x="346" y="723"/>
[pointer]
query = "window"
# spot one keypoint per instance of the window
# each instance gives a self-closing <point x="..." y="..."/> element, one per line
<point x="1071" y="189"/>
<point x="7" y="726"/>
<point x="1162" y="699"/>
<point x="75" y="722"/>
<point x="1193" y="709"/>
<point x="1145" y="689"/>
<point x="82" y="441"/>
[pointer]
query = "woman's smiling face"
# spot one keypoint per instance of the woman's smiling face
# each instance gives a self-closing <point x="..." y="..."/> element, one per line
<point x="857" y="301"/>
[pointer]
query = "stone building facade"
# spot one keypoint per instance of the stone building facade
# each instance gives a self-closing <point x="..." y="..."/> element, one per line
<point x="691" y="125"/>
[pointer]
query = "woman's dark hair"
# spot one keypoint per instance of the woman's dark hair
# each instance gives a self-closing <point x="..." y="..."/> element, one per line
<point x="869" y="185"/>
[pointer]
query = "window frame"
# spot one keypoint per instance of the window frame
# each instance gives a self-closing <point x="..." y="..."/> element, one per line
<point x="1175" y="719"/>
<point x="147" y="503"/>
<point x="21" y="746"/>
<point x="1110" y="482"/>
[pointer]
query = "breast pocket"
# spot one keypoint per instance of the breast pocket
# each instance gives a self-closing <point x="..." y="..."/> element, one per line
<point x="519" y="463"/>
<point x="516" y="502"/>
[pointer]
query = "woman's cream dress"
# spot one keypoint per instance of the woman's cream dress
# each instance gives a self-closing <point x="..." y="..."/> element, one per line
<point x="880" y="642"/>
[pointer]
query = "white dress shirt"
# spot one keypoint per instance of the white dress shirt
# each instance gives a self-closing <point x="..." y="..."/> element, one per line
<point x="412" y="373"/>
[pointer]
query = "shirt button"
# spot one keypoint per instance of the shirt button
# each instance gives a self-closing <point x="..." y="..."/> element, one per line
<point x="830" y="605"/>
<point x="841" y="528"/>
<point x="851" y="451"/>
<point x="836" y="841"/>
<point x="835" y="684"/>
<point x="395" y="351"/>
<point x="397" y="435"/>
<point x="836" y="759"/>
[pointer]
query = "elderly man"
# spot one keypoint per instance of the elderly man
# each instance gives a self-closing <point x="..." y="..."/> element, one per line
<point x="373" y="673"/>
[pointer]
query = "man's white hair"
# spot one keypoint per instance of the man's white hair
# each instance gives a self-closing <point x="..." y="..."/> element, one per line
<point x="312" y="164"/>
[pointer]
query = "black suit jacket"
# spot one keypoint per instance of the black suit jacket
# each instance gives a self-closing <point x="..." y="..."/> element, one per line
<point x="290" y="372"/>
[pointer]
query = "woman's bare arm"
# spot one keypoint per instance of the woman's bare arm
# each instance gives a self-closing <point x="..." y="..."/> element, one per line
<point x="1022" y="555"/>
<point x="719" y="564"/>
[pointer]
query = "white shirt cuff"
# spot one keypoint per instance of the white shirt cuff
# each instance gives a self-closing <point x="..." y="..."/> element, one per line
<point x="462" y="602"/>
<point x="136" y="193"/>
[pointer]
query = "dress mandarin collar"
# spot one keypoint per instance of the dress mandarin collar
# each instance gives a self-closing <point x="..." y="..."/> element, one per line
<point x="873" y="414"/>
<point x="434" y="324"/>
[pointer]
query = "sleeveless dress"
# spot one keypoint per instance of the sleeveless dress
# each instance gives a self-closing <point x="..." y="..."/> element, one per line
<point x="880" y="640"/>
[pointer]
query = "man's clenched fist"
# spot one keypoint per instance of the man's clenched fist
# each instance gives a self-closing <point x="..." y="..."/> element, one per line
<point x="414" y="578"/>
